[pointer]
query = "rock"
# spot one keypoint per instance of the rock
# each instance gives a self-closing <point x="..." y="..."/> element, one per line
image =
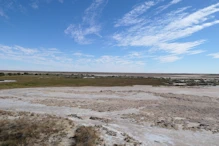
<point x="75" y="116"/>
<point x="111" y="133"/>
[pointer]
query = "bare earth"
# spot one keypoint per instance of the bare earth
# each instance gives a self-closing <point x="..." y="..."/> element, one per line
<point x="137" y="115"/>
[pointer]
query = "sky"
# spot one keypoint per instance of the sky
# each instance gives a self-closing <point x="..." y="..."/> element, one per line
<point x="147" y="36"/>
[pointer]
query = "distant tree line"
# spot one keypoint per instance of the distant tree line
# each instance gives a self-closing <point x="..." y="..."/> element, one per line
<point x="13" y="74"/>
<point x="17" y="74"/>
<point x="2" y="74"/>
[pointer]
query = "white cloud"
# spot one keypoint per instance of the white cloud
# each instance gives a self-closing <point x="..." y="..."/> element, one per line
<point x="2" y="14"/>
<point x="214" y="55"/>
<point x="163" y="33"/>
<point x="136" y="55"/>
<point x="35" y="4"/>
<point x="9" y="6"/>
<point x="196" y="18"/>
<point x="196" y="52"/>
<point x="168" y="58"/>
<point x="116" y="60"/>
<point x="81" y="33"/>
<point x="61" y="1"/>
<point x="132" y="17"/>
<point x="27" y="51"/>
<point x="78" y="54"/>
<point x="162" y="8"/>
<point x="179" y="48"/>
<point x="54" y="59"/>
<point x="175" y="1"/>
<point x="93" y="11"/>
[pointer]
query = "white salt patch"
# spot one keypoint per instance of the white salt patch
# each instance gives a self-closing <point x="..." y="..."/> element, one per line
<point x="7" y="81"/>
<point x="158" y="138"/>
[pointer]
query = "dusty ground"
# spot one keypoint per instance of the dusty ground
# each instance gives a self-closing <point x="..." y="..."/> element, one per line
<point x="138" y="115"/>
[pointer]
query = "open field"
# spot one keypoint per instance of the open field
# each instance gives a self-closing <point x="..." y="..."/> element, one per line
<point x="9" y="80"/>
<point x="108" y="109"/>
<point x="107" y="74"/>
<point x="120" y="115"/>
<point x="25" y="81"/>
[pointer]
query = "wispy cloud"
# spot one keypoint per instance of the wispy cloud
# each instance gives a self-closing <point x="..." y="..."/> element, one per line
<point x="164" y="33"/>
<point x="136" y="55"/>
<point x="179" y="48"/>
<point x="162" y="8"/>
<point x="9" y="6"/>
<point x="35" y="4"/>
<point x="194" y="52"/>
<point x="26" y="51"/>
<point x="168" y="58"/>
<point x="133" y="17"/>
<point x="89" y="26"/>
<point x="78" y="54"/>
<point x="6" y="6"/>
<point x="175" y="1"/>
<point x="214" y="55"/>
<point x="80" y="32"/>
<point x="2" y="13"/>
<point x="61" y="1"/>
<point x="33" y="55"/>
<point x="54" y="59"/>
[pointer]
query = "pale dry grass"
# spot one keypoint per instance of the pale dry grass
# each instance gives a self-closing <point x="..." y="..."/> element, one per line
<point x="32" y="129"/>
<point x="86" y="136"/>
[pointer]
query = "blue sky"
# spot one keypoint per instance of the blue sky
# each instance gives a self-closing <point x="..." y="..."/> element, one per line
<point x="167" y="36"/>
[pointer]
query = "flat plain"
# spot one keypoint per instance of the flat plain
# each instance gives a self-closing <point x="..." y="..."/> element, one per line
<point x="108" y="110"/>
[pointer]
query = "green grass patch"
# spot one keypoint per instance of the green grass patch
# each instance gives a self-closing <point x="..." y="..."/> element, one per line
<point x="26" y="81"/>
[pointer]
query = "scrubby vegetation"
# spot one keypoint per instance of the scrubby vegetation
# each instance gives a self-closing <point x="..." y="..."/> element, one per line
<point x="24" y="81"/>
<point x="194" y="82"/>
<point x="29" y="79"/>
<point x="28" y="129"/>
<point x="2" y="74"/>
<point x="86" y="136"/>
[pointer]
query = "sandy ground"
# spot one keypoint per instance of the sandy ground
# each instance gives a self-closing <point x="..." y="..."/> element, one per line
<point x="135" y="115"/>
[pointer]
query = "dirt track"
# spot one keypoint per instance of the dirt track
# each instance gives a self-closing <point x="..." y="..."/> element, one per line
<point x="138" y="115"/>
